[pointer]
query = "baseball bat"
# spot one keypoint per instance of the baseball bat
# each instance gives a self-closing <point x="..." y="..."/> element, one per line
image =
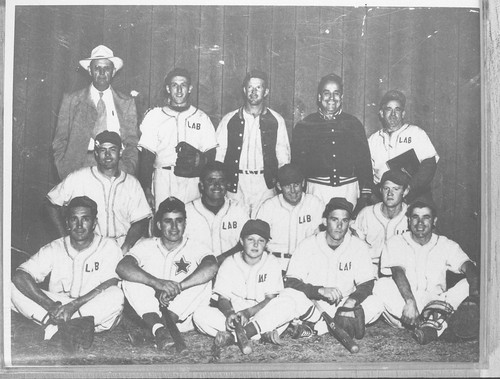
<point x="336" y="331"/>
<point x="179" y="342"/>
<point x="241" y="338"/>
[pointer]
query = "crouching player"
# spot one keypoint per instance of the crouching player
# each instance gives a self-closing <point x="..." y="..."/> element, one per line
<point x="245" y="283"/>
<point x="83" y="295"/>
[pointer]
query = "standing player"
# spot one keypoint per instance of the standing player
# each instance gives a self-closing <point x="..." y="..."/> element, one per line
<point x="83" y="282"/>
<point x="293" y="215"/>
<point x="123" y="208"/>
<point x="214" y="218"/>
<point x="333" y="268"/>
<point x="331" y="149"/>
<point x="245" y="284"/>
<point x="168" y="269"/>
<point x="377" y="223"/>
<point x="417" y="296"/>
<point x="397" y="137"/>
<point x="253" y="144"/>
<point x="167" y="133"/>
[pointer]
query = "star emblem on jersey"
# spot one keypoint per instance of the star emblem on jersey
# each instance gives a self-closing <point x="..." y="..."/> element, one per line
<point x="182" y="266"/>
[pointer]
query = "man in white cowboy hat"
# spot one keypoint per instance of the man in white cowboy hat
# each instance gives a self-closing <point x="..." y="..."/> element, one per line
<point x="91" y="110"/>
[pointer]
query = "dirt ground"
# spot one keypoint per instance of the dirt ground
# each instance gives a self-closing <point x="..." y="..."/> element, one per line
<point x="380" y="344"/>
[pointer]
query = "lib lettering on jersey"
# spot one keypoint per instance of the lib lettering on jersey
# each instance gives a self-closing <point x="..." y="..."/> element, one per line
<point x="404" y="140"/>
<point x="345" y="266"/>
<point x="226" y="225"/>
<point x="305" y="219"/>
<point x="262" y="278"/>
<point x="91" y="267"/>
<point x="194" y="125"/>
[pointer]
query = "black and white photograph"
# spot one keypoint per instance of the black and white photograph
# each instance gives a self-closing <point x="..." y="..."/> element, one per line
<point x="253" y="190"/>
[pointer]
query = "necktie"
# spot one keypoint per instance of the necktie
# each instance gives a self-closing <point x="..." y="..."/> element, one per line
<point x="100" y="124"/>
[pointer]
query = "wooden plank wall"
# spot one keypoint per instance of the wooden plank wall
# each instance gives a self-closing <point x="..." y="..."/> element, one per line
<point x="430" y="54"/>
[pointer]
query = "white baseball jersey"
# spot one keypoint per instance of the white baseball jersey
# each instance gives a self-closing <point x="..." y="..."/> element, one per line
<point x="220" y="231"/>
<point x="384" y="146"/>
<point x="375" y="229"/>
<point x="242" y="283"/>
<point x="120" y="200"/>
<point x="74" y="272"/>
<point x="290" y="224"/>
<point x="347" y="266"/>
<point x="425" y="266"/>
<point x="162" y="129"/>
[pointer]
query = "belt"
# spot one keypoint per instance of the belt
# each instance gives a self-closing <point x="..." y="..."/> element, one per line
<point x="167" y="167"/>
<point x="284" y="255"/>
<point x="251" y="171"/>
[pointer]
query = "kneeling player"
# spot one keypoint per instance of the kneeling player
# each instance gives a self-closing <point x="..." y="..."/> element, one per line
<point x="83" y="295"/>
<point x="245" y="284"/>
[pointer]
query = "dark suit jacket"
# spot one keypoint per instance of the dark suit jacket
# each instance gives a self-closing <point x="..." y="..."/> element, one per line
<point x="75" y="124"/>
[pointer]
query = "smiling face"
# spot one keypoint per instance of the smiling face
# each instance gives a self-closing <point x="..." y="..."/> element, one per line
<point x="81" y="224"/>
<point x="213" y="187"/>
<point x="292" y="193"/>
<point x="337" y="224"/>
<point x="172" y="226"/>
<point x="255" y="91"/>
<point x="421" y="223"/>
<point x="253" y="248"/>
<point x="179" y="90"/>
<point x="102" y="72"/>
<point x="330" y="98"/>
<point x="107" y="156"/>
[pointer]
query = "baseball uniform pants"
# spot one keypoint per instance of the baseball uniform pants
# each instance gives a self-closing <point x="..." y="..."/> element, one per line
<point x="350" y="192"/>
<point x="142" y="299"/>
<point x="105" y="307"/>
<point x="252" y="191"/>
<point x="166" y="184"/>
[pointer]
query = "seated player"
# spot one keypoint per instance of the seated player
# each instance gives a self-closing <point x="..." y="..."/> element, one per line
<point x="332" y="268"/>
<point x="123" y="208"/>
<point x="293" y="214"/>
<point x="168" y="269"/>
<point x="83" y="283"/>
<point x="417" y="296"/>
<point x="245" y="284"/>
<point x="377" y="223"/>
<point x="214" y="218"/>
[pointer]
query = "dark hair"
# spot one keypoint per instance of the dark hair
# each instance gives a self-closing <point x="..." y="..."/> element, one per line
<point x="81" y="201"/>
<point x="393" y="94"/>
<point x="212" y="166"/>
<point x="177" y="72"/>
<point x="330" y="78"/>
<point x="421" y="204"/>
<point x="170" y="204"/>
<point x="256" y="74"/>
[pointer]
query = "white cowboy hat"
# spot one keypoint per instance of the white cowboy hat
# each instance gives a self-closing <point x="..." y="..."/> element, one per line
<point x="102" y="52"/>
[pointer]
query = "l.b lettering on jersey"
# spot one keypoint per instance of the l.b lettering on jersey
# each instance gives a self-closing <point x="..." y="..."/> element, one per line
<point x="226" y="225"/>
<point x="89" y="267"/>
<point x="304" y="219"/>
<point x="344" y="266"/>
<point x="262" y="278"/>
<point x="404" y="139"/>
<point x="194" y="125"/>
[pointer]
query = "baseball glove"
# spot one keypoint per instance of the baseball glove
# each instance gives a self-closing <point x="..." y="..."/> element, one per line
<point x="76" y="333"/>
<point x="352" y="320"/>
<point x="464" y="322"/>
<point x="189" y="161"/>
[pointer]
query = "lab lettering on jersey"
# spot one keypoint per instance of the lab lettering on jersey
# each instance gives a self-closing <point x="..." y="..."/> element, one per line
<point x="404" y="139"/>
<point x="345" y="266"/>
<point x="194" y="125"/>
<point x="262" y="278"/>
<point x="226" y="225"/>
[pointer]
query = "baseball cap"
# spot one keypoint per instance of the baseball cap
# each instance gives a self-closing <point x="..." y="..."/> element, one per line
<point x="288" y="174"/>
<point x="393" y="94"/>
<point x="107" y="136"/>
<point x="422" y="201"/>
<point x="396" y="176"/>
<point x="259" y="227"/>
<point x="338" y="203"/>
<point x="82" y="201"/>
<point x="256" y="74"/>
<point x="178" y="71"/>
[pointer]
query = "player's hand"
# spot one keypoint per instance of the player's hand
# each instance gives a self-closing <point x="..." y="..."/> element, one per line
<point x="171" y="288"/>
<point x="64" y="312"/>
<point x="410" y="313"/>
<point x="331" y="294"/>
<point x="52" y="309"/>
<point x="164" y="299"/>
<point x="243" y="316"/>
<point x="230" y="321"/>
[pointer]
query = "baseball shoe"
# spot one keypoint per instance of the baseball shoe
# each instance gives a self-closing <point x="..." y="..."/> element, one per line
<point x="163" y="340"/>
<point x="425" y="334"/>
<point x="304" y="330"/>
<point x="224" y="338"/>
<point x="76" y="333"/>
<point x="271" y="337"/>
